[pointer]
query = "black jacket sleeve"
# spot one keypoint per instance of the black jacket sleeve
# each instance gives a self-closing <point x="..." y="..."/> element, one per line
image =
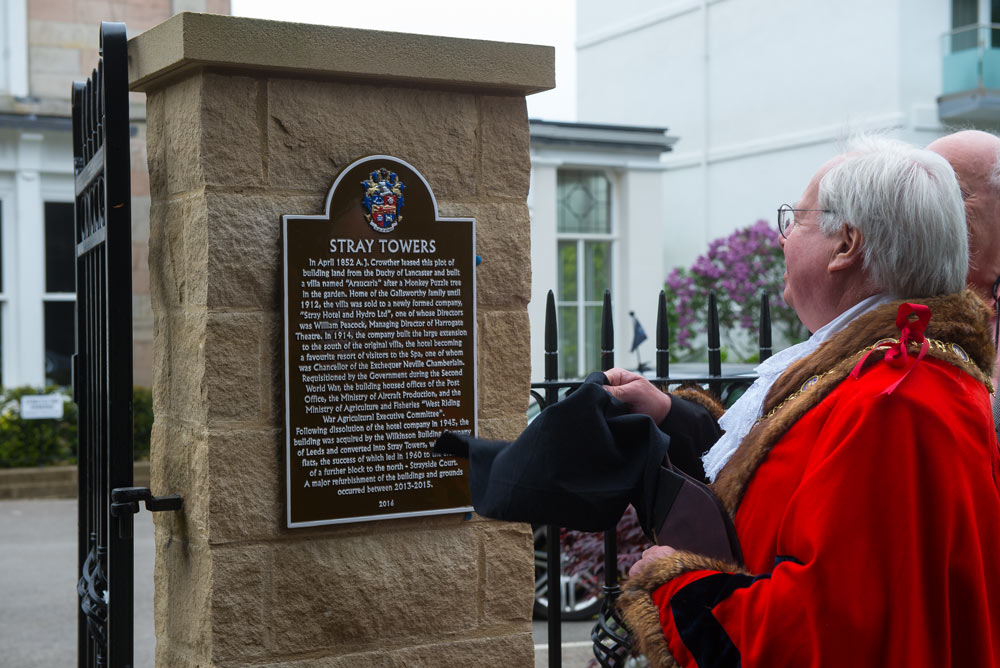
<point x="692" y="431"/>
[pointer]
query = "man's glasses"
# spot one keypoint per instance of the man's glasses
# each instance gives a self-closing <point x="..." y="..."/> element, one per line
<point x="786" y="218"/>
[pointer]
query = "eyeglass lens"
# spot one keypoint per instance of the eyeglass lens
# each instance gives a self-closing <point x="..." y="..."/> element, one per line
<point x="786" y="219"/>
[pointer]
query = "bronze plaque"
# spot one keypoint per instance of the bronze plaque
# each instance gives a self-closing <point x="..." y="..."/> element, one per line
<point x="380" y="357"/>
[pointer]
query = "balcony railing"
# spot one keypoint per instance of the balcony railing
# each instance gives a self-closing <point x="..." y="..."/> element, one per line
<point x="970" y="86"/>
<point x="971" y="58"/>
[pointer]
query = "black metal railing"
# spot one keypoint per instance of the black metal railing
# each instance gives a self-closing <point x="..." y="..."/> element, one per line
<point x="610" y="639"/>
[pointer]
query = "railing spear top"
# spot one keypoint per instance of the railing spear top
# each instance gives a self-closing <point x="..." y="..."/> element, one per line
<point x="551" y="339"/>
<point x="607" y="334"/>
<point x="662" y="338"/>
<point x="714" y="347"/>
<point x="765" y="326"/>
<point x="551" y="335"/>
<point x="713" y="322"/>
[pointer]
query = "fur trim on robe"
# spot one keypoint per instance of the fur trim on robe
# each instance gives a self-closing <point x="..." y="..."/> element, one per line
<point x="703" y="398"/>
<point x="643" y="617"/>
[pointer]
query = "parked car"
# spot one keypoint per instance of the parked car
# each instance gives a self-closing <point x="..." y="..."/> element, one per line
<point x="580" y="588"/>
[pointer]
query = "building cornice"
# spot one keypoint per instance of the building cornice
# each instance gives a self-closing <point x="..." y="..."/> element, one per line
<point x="637" y="141"/>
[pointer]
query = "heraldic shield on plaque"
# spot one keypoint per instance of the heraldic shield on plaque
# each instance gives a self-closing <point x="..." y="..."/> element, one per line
<point x="380" y="350"/>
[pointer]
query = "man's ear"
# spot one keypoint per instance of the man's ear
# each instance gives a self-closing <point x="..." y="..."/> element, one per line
<point x="849" y="251"/>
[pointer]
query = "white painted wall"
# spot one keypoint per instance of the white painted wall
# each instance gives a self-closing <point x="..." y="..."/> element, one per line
<point x="542" y="209"/>
<point x="759" y="93"/>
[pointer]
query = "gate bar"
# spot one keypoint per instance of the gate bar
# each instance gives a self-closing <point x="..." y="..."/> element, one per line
<point x="611" y="588"/>
<point x="553" y="556"/>
<point x="662" y="338"/>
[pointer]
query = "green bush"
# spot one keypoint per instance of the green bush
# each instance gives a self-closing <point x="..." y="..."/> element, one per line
<point x="142" y="421"/>
<point x="54" y="442"/>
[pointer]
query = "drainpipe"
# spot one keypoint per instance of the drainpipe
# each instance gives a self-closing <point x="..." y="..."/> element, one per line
<point x="706" y="100"/>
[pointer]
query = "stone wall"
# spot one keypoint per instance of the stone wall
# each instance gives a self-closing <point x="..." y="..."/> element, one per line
<point x="231" y="147"/>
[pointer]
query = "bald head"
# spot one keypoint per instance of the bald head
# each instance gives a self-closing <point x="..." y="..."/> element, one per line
<point x="973" y="155"/>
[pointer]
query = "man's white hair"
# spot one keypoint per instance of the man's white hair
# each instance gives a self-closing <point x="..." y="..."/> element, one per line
<point x="907" y="204"/>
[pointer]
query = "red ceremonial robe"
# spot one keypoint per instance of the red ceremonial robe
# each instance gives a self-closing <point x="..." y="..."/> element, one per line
<point x="869" y="521"/>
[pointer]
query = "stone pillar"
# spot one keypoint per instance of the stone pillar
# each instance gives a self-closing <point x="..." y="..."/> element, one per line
<point x="249" y="120"/>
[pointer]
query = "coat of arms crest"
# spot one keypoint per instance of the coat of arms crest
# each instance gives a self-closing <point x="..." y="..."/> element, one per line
<point x="383" y="200"/>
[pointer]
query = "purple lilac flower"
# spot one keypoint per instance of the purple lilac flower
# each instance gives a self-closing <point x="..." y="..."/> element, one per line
<point x="738" y="268"/>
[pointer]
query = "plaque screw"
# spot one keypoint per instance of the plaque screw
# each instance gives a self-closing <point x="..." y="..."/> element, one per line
<point x="479" y="260"/>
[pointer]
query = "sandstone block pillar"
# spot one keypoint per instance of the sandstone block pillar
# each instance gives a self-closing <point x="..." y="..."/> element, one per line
<point x="249" y="120"/>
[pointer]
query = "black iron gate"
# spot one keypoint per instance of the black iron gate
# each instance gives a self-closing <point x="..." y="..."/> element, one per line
<point x="102" y="365"/>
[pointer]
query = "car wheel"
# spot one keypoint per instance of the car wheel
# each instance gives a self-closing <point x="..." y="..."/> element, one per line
<point x="581" y="590"/>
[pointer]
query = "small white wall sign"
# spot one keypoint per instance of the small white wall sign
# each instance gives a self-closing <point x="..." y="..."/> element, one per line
<point x="41" y="406"/>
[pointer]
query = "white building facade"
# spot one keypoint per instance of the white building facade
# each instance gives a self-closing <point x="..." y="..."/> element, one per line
<point x="46" y="45"/>
<point x="37" y="284"/>
<point x="761" y="92"/>
<point x="597" y="223"/>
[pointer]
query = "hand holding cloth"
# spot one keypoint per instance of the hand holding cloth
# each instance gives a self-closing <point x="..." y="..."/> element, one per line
<point x="579" y="465"/>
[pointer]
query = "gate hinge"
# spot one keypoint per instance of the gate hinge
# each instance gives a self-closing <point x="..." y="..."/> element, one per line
<point x="126" y="500"/>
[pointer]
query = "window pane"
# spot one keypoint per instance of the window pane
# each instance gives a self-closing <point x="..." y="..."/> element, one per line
<point x="60" y="255"/>
<point x="1" y="248"/>
<point x="592" y="353"/>
<point x="59" y="342"/>
<point x="568" y="347"/>
<point x="994" y="18"/>
<point x="567" y="271"/>
<point x="964" y="13"/>
<point x="584" y="202"/>
<point x="597" y="269"/>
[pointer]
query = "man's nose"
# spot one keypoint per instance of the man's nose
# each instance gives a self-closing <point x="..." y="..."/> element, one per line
<point x="781" y="240"/>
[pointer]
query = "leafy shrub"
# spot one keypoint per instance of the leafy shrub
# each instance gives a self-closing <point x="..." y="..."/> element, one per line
<point x="585" y="551"/>
<point x="54" y="442"/>
<point x="35" y="442"/>
<point x="737" y="268"/>
<point x="142" y="421"/>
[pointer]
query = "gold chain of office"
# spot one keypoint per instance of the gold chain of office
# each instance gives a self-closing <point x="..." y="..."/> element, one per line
<point x="941" y="346"/>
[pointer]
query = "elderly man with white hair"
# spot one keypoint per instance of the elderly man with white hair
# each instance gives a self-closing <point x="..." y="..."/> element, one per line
<point x="863" y="473"/>
<point x="975" y="157"/>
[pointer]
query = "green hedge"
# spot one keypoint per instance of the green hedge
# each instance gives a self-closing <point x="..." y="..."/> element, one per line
<point x="54" y="442"/>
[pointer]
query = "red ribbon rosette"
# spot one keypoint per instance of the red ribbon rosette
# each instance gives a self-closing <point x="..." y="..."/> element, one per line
<point x="911" y="320"/>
